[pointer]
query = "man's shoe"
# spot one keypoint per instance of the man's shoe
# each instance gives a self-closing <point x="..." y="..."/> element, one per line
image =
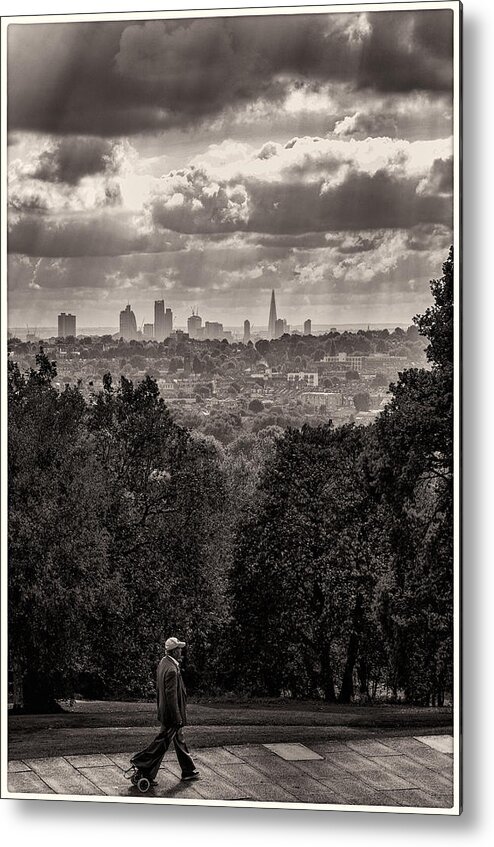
<point x="187" y="777"/>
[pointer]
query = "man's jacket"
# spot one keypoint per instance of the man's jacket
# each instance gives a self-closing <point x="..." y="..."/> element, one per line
<point x="172" y="696"/>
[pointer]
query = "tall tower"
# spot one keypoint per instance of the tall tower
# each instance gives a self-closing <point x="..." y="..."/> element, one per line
<point x="246" y="332"/>
<point x="159" y="320"/>
<point x="128" y="325"/>
<point x="272" y="317"/>
<point x="279" y="327"/>
<point x="194" y="324"/>
<point x="308" y="327"/>
<point x="168" y="322"/>
<point x="66" y="325"/>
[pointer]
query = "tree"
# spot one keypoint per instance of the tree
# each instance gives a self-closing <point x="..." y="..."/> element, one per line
<point x="412" y="472"/>
<point x="59" y="579"/>
<point x="256" y="406"/>
<point x="305" y="560"/>
<point x="437" y="321"/>
<point x="352" y="376"/>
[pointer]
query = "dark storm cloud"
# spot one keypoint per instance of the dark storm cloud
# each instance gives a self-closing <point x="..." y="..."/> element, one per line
<point x="103" y="235"/>
<point x="423" y="238"/>
<point x="440" y="179"/>
<point x="116" y="78"/>
<point x="71" y="159"/>
<point x="408" y="51"/>
<point x="361" y="201"/>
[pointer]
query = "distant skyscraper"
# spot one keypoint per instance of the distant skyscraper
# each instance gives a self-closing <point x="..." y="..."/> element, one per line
<point x="213" y="329"/>
<point x="308" y="327"/>
<point x="246" y="332"/>
<point x="159" y="320"/>
<point x="279" y="327"/>
<point x="168" y="323"/>
<point x="128" y="325"/>
<point x="272" y="317"/>
<point x="148" y="331"/>
<point x="66" y="325"/>
<point x="194" y="324"/>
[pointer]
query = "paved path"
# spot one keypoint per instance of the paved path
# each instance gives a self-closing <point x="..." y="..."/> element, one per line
<point x="392" y="771"/>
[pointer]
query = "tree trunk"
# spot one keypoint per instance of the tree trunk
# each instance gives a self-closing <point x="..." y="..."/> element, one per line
<point x="17" y="687"/>
<point x="362" y="672"/>
<point x="346" y="690"/>
<point x="327" y="678"/>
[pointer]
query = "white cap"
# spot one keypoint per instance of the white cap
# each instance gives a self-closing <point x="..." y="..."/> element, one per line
<point x="173" y="643"/>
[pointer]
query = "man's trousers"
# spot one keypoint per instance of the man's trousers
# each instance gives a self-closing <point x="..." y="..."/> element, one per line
<point x="149" y="760"/>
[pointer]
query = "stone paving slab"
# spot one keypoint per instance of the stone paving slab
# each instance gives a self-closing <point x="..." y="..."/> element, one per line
<point x="109" y="780"/>
<point x="324" y="747"/>
<point x="325" y="769"/>
<point x="415" y="797"/>
<point x="174" y="768"/>
<point x="249" y="751"/>
<point x="177" y="791"/>
<point x="242" y="774"/>
<point x="211" y="785"/>
<point x="27" y="782"/>
<point x="441" y="743"/>
<point x="62" y="777"/>
<point x="420" y="752"/>
<point x="370" y="747"/>
<point x="308" y="790"/>
<point x="368" y="771"/>
<point x="97" y="760"/>
<point x="354" y="792"/>
<point x="16" y="766"/>
<point x="394" y="771"/>
<point x="122" y="760"/>
<point x="414" y="773"/>
<point x="270" y="793"/>
<point x="323" y="796"/>
<point x="275" y="768"/>
<point x="220" y="789"/>
<point x="293" y="752"/>
<point x="217" y="755"/>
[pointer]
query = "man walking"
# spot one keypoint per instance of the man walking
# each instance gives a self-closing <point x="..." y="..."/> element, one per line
<point x="172" y="715"/>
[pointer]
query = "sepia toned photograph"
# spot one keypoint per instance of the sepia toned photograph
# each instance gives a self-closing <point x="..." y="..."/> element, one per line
<point x="231" y="397"/>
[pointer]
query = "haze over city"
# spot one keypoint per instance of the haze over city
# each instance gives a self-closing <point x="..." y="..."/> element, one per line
<point x="208" y="161"/>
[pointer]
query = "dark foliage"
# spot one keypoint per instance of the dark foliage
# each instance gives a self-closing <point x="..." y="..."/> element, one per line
<point x="312" y="561"/>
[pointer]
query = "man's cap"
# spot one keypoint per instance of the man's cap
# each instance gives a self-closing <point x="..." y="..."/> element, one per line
<point x="173" y="643"/>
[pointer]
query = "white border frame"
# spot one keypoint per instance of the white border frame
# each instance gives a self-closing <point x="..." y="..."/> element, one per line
<point x="456" y="7"/>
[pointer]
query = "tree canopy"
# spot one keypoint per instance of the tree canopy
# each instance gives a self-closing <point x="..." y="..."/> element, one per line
<point x="293" y="559"/>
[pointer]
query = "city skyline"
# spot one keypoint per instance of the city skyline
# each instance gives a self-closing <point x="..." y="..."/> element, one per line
<point x="311" y="155"/>
<point x="165" y="322"/>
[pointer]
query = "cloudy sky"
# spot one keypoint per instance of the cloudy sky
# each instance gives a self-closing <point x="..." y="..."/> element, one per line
<point x="210" y="160"/>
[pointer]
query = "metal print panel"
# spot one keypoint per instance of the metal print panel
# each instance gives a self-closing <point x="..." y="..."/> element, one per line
<point x="231" y="407"/>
